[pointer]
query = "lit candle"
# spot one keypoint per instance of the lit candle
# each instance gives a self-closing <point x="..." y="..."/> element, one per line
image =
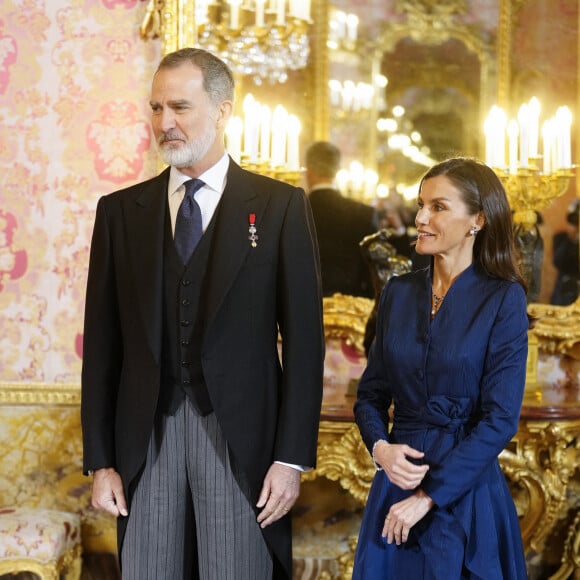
<point x="250" y="120"/>
<point x="265" y="129"/>
<point x="371" y="180"/>
<point x="356" y="177"/>
<point x="293" y="132"/>
<point x="564" y="120"/>
<point x="351" y="27"/>
<point x="340" y="24"/>
<point x="500" y="137"/>
<point x="487" y="131"/>
<point x="357" y="97"/>
<point x="512" y="131"/>
<point x="201" y="12"/>
<point x="534" y="121"/>
<point x="342" y="181"/>
<point x="279" y="119"/>
<point x="524" y="122"/>
<point x="548" y="144"/>
<point x="260" y="12"/>
<point x="348" y="90"/>
<point x="280" y="12"/>
<point x="335" y="88"/>
<point x="234" y="138"/>
<point x="367" y="96"/>
<point x="234" y="13"/>
<point x="294" y="8"/>
<point x="494" y="128"/>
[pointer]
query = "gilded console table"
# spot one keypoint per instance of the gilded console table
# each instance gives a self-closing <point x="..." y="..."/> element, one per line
<point x="542" y="465"/>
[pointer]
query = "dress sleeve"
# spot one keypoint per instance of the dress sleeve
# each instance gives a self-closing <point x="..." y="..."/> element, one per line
<point x="501" y="393"/>
<point x="374" y="393"/>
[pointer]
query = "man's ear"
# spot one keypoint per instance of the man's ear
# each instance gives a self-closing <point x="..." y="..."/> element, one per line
<point x="224" y="113"/>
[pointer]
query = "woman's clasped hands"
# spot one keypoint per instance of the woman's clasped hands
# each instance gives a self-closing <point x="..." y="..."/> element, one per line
<point x="393" y="459"/>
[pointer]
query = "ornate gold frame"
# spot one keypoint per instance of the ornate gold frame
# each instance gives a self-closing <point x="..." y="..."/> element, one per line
<point x="40" y="394"/>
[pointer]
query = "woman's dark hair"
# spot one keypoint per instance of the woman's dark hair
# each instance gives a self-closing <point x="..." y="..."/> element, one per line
<point x="482" y="191"/>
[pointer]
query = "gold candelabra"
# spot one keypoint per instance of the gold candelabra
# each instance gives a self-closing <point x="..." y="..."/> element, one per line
<point x="530" y="190"/>
<point x="277" y="172"/>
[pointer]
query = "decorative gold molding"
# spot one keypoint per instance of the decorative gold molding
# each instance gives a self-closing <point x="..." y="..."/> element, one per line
<point x="345" y="317"/>
<point x="318" y="70"/>
<point x="571" y="555"/>
<point x="343" y="457"/>
<point x="40" y="394"/>
<point x="67" y="567"/>
<point x="170" y="21"/>
<point x="542" y="458"/>
<point x="504" y="42"/>
<point x="557" y="328"/>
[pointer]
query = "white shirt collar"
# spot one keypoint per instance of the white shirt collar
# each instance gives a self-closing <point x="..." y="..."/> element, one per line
<point x="214" y="177"/>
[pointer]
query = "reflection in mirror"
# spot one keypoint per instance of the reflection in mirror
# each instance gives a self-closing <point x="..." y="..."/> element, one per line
<point x="447" y="63"/>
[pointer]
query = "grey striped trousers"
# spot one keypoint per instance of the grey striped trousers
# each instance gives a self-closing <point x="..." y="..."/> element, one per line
<point x="189" y="516"/>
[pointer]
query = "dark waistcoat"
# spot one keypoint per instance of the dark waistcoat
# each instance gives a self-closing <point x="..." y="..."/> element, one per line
<point x="183" y="323"/>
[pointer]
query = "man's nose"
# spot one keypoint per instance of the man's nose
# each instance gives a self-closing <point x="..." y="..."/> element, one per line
<point x="167" y="120"/>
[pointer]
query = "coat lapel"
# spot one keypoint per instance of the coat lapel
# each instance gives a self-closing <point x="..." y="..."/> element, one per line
<point x="145" y="234"/>
<point x="230" y="244"/>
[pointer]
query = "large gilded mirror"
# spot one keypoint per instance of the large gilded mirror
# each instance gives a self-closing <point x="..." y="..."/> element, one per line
<point x="446" y="63"/>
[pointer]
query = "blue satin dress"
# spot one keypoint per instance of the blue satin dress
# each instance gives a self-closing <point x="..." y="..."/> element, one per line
<point x="457" y="383"/>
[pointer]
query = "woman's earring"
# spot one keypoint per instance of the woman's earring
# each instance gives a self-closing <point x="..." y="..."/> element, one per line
<point x="473" y="230"/>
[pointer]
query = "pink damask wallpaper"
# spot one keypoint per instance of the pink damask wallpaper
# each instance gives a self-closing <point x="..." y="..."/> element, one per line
<point x="74" y="125"/>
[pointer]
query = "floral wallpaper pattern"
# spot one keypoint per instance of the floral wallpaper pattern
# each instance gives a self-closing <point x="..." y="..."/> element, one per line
<point x="74" y="125"/>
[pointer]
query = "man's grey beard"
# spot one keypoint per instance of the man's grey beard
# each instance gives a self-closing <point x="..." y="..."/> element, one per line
<point x="190" y="152"/>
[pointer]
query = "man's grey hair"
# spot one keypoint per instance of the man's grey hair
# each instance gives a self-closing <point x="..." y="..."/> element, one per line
<point x="218" y="80"/>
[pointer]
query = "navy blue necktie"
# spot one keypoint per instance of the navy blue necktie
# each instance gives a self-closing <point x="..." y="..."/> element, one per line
<point x="188" y="226"/>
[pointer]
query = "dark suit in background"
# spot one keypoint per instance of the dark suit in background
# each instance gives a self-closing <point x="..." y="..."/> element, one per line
<point x="341" y="224"/>
<point x="180" y="356"/>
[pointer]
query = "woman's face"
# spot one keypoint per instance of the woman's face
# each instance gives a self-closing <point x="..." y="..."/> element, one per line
<point x="443" y="222"/>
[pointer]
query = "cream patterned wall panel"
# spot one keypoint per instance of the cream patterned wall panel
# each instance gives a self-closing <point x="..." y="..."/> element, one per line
<point x="74" y="125"/>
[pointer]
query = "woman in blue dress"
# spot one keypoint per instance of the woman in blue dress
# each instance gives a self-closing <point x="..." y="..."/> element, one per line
<point x="450" y="355"/>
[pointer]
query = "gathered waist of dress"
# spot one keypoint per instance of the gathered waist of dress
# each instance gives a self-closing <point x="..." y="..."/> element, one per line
<point x="446" y="413"/>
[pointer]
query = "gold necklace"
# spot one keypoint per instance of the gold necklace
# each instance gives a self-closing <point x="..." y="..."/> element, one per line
<point x="437" y="300"/>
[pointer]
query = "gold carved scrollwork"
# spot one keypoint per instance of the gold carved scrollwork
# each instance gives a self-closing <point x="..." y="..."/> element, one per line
<point x="151" y="26"/>
<point x="172" y="21"/>
<point x="557" y="328"/>
<point x="346" y="317"/>
<point x="343" y="457"/>
<point x="543" y="463"/>
<point x="571" y="556"/>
